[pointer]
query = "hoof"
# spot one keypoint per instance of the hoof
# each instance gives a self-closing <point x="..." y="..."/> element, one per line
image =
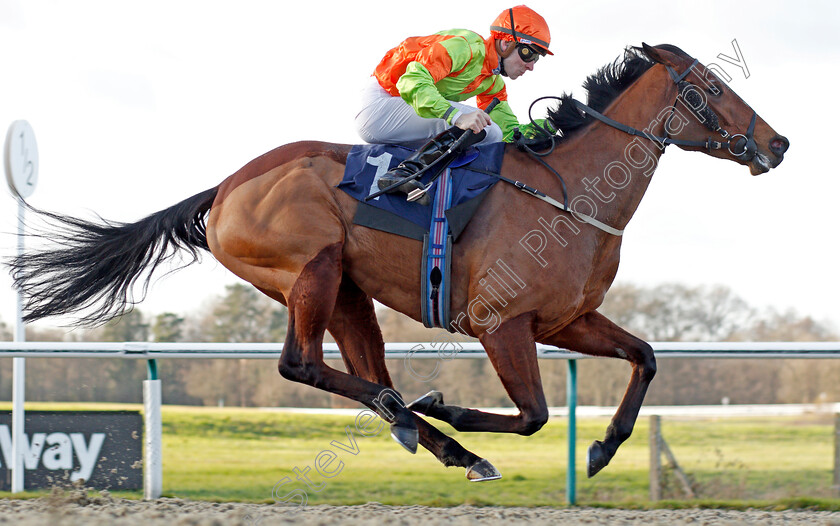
<point x="425" y="402"/>
<point x="481" y="471"/>
<point x="596" y="459"/>
<point x="406" y="437"/>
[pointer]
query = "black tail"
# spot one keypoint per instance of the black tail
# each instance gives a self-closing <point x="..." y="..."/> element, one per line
<point x="91" y="267"/>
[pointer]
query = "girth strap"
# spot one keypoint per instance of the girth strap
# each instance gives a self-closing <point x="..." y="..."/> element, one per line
<point x="436" y="263"/>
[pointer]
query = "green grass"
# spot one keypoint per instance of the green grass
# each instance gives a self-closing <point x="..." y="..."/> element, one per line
<point x="240" y="454"/>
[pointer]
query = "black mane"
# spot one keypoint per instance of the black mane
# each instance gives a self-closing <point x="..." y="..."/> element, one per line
<point x="602" y="88"/>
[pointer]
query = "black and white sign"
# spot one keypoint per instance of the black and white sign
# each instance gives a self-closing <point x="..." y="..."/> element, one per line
<point x="105" y="448"/>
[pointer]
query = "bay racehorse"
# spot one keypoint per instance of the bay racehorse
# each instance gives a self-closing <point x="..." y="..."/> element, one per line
<point x="281" y="224"/>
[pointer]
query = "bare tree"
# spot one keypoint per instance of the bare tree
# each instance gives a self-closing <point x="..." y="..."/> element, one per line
<point x="676" y="312"/>
<point x="5" y="333"/>
<point x="667" y="312"/>
<point x="167" y="327"/>
<point x="242" y="315"/>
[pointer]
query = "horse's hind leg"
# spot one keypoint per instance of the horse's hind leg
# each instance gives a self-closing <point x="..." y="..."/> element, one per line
<point x="594" y="334"/>
<point x="356" y="331"/>
<point x="311" y="303"/>
<point x="512" y="351"/>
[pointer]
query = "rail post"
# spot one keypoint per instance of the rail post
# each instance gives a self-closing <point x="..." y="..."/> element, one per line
<point x="655" y="458"/>
<point x="571" y="401"/>
<point x="837" y="454"/>
<point x="153" y="439"/>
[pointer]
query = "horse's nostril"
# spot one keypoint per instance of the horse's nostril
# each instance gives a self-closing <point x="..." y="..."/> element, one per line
<point x="779" y="145"/>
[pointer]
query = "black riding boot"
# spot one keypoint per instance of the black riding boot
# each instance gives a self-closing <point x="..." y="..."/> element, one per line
<point x="422" y="159"/>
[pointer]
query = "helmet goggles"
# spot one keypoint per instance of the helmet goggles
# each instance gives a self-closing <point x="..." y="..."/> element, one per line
<point x="528" y="53"/>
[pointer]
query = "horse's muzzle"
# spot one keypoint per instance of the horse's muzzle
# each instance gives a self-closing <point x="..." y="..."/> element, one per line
<point x="779" y="146"/>
<point x="764" y="162"/>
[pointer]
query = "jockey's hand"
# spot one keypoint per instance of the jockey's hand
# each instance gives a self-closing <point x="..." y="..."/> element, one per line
<point x="475" y="121"/>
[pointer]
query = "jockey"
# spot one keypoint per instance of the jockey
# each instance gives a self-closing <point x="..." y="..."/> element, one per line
<point x="415" y="92"/>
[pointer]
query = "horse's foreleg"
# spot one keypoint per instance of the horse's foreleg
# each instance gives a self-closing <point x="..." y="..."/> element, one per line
<point x="594" y="334"/>
<point x="311" y="303"/>
<point x="512" y="352"/>
<point x="356" y="331"/>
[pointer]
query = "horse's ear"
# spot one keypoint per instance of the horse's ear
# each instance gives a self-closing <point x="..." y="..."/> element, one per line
<point x="660" y="55"/>
<point x="652" y="52"/>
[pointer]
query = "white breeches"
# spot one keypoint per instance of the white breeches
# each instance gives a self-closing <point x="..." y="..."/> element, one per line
<point x="386" y="119"/>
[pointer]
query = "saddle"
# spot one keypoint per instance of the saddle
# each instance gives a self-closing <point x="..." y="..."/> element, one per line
<point x="456" y="195"/>
<point x="391" y="213"/>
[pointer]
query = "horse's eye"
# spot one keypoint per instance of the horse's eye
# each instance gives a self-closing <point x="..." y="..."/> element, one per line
<point x="714" y="89"/>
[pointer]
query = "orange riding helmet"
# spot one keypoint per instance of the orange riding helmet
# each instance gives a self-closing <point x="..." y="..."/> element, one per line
<point x="522" y="25"/>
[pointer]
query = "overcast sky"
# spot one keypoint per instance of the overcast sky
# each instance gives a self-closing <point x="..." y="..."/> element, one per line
<point x="138" y="105"/>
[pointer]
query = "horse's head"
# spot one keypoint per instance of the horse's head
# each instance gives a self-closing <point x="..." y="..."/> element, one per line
<point x="707" y="111"/>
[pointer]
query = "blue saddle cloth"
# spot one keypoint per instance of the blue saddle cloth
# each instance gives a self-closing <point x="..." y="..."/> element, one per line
<point x="392" y="213"/>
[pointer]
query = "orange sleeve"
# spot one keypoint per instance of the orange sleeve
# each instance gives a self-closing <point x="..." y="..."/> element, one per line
<point x="436" y="60"/>
<point x="426" y="50"/>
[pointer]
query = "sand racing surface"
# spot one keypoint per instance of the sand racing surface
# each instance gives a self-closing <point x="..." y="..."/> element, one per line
<point x="77" y="508"/>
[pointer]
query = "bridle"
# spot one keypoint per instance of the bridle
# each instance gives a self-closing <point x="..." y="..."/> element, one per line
<point x="687" y="90"/>
<point x="745" y="142"/>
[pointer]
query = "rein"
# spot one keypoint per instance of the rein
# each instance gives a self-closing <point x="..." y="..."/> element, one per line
<point x="550" y="200"/>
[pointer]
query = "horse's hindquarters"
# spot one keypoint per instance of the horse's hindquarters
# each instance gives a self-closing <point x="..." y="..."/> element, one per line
<point x="269" y="226"/>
